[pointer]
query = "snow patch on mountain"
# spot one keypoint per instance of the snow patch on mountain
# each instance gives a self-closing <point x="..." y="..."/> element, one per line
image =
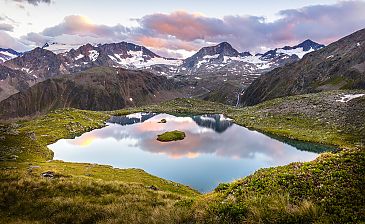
<point x="79" y="57"/>
<point x="346" y="98"/>
<point x="8" y="54"/>
<point x="136" y="59"/>
<point x="58" y="48"/>
<point x="296" y="51"/>
<point x="211" y="56"/>
<point x="93" y="55"/>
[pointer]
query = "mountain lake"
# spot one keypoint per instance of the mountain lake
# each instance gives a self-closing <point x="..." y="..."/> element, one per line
<point x="215" y="150"/>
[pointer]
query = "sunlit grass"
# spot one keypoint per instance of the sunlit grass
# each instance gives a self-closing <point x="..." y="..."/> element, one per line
<point x="329" y="189"/>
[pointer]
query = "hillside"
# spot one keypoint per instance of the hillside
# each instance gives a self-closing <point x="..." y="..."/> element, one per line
<point x="95" y="89"/>
<point x="340" y="65"/>
<point x="13" y="81"/>
<point x="312" y="192"/>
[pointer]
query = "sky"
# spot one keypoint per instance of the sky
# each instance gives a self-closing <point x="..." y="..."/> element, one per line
<point x="177" y="28"/>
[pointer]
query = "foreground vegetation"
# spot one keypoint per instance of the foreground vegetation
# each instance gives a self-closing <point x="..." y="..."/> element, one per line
<point x="327" y="190"/>
<point x="74" y="192"/>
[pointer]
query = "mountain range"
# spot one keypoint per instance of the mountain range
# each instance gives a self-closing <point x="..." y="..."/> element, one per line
<point x="340" y="65"/>
<point x="213" y="69"/>
<point x="118" y="75"/>
<point x="99" y="88"/>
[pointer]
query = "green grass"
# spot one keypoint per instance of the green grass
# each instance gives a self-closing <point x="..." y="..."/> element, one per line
<point x="320" y="128"/>
<point x="73" y="197"/>
<point x="171" y="136"/>
<point x="79" y="193"/>
<point x="327" y="190"/>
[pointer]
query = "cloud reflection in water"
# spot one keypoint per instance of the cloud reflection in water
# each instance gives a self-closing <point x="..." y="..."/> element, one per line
<point x="214" y="149"/>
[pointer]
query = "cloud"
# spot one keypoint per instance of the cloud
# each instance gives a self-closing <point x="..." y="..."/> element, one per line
<point x="35" y="39"/>
<point x="80" y="29"/>
<point x="33" y="2"/>
<point x="186" y="32"/>
<point x="7" y="41"/>
<point x="80" y="25"/>
<point x="323" y="22"/>
<point x="182" y="25"/>
<point x="320" y="22"/>
<point x="6" y="27"/>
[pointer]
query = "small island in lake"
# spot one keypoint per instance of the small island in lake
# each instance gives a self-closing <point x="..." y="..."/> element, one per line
<point x="163" y="121"/>
<point x="171" y="136"/>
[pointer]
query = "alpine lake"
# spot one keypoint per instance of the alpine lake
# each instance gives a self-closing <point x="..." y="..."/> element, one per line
<point x="214" y="150"/>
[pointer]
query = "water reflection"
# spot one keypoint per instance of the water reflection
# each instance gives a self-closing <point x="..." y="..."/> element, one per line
<point x="217" y="122"/>
<point x="131" y="118"/>
<point x="214" y="150"/>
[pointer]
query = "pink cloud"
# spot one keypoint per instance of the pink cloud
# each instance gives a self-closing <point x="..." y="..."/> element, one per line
<point x="182" y="30"/>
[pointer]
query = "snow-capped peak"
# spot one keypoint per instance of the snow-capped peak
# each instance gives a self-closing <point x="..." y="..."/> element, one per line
<point x="298" y="50"/>
<point x="58" y="48"/>
<point x="308" y="44"/>
<point x="8" y="54"/>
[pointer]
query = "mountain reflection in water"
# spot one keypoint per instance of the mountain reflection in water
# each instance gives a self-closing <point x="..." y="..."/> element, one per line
<point x="217" y="122"/>
<point x="215" y="149"/>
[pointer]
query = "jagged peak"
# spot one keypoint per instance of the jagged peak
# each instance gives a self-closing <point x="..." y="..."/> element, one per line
<point x="12" y="51"/>
<point x="224" y="44"/>
<point x="246" y="53"/>
<point x="308" y="44"/>
<point x="308" y="41"/>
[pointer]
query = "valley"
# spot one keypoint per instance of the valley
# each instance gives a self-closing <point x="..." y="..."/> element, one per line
<point x="237" y="112"/>
<point x="25" y="156"/>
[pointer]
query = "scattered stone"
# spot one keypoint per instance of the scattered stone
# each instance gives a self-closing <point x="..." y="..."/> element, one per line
<point x="152" y="187"/>
<point x="337" y="150"/>
<point x="48" y="174"/>
<point x="2" y="137"/>
<point x="33" y="167"/>
<point x="31" y="135"/>
<point x="13" y="157"/>
<point x="8" y="168"/>
<point x="13" y="132"/>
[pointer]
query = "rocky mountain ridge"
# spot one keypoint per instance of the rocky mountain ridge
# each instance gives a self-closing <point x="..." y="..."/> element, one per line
<point x="100" y="88"/>
<point x="8" y="54"/>
<point x="340" y="65"/>
<point x="206" y="71"/>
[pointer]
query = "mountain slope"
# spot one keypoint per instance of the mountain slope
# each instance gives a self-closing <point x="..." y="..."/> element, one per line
<point x="8" y="54"/>
<point x="43" y="63"/>
<point x="340" y="65"/>
<point x="298" y="51"/>
<point x="210" y="69"/>
<point x="98" y="88"/>
<point x="38" y="63"/>
<point x="216" y="52"/>
<point x="13" y="81"/>
<point x="220" y="73"/>
<point x="123" y="55"/>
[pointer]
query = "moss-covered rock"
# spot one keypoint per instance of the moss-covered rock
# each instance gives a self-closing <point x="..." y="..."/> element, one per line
<point x="162" y="121"/>
<point x="171" y="136"/>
